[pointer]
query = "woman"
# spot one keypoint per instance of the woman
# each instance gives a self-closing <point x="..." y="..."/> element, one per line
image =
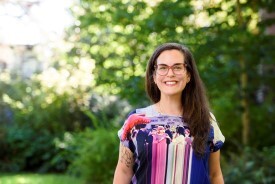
<point x="177" y="92"/>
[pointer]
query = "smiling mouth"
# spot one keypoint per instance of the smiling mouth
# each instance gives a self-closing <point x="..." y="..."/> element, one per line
<point x="170" y="82"/>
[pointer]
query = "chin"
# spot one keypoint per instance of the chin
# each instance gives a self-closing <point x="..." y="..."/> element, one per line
<point x="172" y="93"/>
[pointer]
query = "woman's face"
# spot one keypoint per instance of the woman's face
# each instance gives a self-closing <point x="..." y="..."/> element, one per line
<point x="171" y="84"/>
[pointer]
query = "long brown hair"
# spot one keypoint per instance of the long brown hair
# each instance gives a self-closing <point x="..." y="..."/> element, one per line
<point x="195" y="104"/>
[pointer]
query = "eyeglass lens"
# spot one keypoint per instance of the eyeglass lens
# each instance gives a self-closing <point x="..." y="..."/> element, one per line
<point x="177" y="69"/>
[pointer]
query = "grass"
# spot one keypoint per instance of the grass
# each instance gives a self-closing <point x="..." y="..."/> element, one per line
<point x="38" y="179"/>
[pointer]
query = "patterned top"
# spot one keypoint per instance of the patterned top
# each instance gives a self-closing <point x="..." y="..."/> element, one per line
<point x="163" y="151"/>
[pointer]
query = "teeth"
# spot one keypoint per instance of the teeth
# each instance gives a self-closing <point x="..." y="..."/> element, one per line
<point x="170" y="83"/>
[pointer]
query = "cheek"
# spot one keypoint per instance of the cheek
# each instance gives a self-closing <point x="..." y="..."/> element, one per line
<point x="185" y="79"/>
<point x="157" y="79"/>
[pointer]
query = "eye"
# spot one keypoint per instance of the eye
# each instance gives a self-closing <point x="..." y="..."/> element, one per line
<point x="162" y="67"/>
<point x="177" y="67"/>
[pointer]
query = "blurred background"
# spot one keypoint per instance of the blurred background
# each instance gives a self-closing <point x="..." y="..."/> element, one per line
<point x="71" y="70"/>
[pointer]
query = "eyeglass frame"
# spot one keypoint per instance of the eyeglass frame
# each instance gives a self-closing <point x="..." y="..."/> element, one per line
<point x="170" y="67"/>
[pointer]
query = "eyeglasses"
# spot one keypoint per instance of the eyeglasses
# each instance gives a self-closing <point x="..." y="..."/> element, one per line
<point x="177" y="69"/>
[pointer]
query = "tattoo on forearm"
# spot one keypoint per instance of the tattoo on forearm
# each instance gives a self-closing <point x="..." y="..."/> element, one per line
<point x="126" y="156"/>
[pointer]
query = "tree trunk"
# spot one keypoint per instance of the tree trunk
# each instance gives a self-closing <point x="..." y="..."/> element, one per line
<point x="243" y="80"/>
<point x="244" y="103"/>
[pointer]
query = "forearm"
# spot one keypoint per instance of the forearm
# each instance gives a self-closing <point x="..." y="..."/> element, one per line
<point x="122" y="177"/>
<point x="124" y="169"/>
<point x="218" y="179"/>
<point x="216" y="176"/>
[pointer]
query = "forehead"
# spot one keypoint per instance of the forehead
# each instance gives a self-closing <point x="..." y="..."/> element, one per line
<point x="170" y="57"/>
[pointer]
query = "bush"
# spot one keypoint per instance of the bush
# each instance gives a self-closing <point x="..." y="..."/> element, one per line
<point x="251" y="167"/>
<point x="39" y="121"/>
<point x="97" y="155"/>
<point x="25" y="149"/>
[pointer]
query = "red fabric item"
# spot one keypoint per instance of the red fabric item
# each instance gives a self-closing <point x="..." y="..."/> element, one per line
<point x="133" y="120"/>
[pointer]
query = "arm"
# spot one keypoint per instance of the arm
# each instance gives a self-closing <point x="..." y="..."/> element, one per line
<point x="124" y="169"/>
<point x="215" y="173"/>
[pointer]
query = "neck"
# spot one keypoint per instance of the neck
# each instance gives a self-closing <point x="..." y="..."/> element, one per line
<point x="170" y="106"/>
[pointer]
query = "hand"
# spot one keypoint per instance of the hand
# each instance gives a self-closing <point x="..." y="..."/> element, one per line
<point x="133" y="120"/>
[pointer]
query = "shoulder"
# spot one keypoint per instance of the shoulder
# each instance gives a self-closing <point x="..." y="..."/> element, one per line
<point x="215" y="133"/>
<point x="149" y="111"/>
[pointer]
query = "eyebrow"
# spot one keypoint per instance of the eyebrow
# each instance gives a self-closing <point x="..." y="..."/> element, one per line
<point x="171" y="65"/>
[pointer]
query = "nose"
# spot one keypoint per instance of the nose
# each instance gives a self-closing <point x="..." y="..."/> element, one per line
<point x="170" y="72"/>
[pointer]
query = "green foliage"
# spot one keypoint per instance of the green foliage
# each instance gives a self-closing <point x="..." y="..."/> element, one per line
<point x="96" y="156"/>
<point x="34" y="116"/>
<point x="38" y="179"/>
<point x="34" y="105"/>
<point x="39" y="117"/>
<point x="252" y="166"/>
<point x="42" y="117"/>
<point x="26" y="149"/>
<point x="106" y="111"/>
<point x="32" y="139"/>
<point x="233" y="37"/>
<point x="120" y="38"/>
<point x="64" y="152"/>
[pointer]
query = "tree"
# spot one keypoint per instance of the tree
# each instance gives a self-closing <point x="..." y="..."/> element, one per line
<point x="227" y="38"/>
<point x="236" y="41"/>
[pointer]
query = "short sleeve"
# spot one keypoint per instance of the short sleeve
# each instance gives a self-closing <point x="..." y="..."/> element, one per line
<point x="216" y="137"/>
<point x="126" y="142"/>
